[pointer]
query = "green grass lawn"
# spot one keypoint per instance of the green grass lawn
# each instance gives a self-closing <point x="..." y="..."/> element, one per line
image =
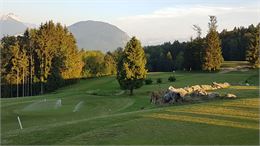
<point x="226" y="64"/>
<point x="106" y="115"/>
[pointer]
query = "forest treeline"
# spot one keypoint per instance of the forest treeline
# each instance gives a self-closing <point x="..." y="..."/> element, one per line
<point x="236" y="45"/>
<point x="47" y="58"/>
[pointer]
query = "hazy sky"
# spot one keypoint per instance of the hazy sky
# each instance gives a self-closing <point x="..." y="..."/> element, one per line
<point x="153" y="21"/>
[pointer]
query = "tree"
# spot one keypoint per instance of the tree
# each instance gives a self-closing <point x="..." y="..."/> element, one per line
<point x="109" y="64"/>
<point x="169" y="61"/>
<point x="179" y="61"/>
<point x="252" y="54"/>
<point x="212" y="55"/>
<point x="198" y="30"/>
<point x="131" y="69"/>
<point x="45" y="38"/>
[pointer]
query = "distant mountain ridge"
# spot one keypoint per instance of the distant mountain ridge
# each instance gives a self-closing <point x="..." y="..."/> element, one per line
<point x="97" y="35"/>
<point x="89" y="35"/>
<point x="10" y="24"/>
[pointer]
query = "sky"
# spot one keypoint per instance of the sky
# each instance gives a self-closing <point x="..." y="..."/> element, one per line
<point x="152" y="21"/>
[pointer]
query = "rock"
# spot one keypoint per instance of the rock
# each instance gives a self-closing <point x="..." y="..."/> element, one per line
<point x="202" y="93"/>
<point x="189" y="90"/>
<point x="168" y="97"/>
<point x="196" y="87"/>
<point x="187" y="98"/>
<point x="230" y="96"/>
<point x="220" y="85"/>
<point x="207" y="87"/>
<point x="181" y="91"/>
<point x="213" y="95"/>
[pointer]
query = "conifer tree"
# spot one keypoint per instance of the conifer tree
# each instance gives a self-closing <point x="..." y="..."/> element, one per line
<point x="252" y="54"/>
<point x="212" y="55"/>
<point x="131" y="69"/>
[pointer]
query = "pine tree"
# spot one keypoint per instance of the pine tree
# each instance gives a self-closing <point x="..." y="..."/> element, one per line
<point x="131" y="66"/>
<point x="252" y="54"/>
<point x="212" y="55"/>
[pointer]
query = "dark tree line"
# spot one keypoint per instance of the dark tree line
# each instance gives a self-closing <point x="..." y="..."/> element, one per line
<point x="239" y="44"/>
<point x="235" y="43"/>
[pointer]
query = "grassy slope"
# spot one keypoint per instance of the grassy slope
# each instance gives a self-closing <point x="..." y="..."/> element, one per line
<point x="108" y="118"/>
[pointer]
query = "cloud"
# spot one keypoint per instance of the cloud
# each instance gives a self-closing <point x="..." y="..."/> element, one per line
<point x="168" y="24"/>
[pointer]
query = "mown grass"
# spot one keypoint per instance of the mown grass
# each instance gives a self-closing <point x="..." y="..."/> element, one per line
<point x="107" y="117"/>
<point x="234" y="63"/>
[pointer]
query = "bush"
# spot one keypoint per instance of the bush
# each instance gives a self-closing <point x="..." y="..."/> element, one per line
<point x="148" y="81"/>
<point x="172" y="79"/>
<point x="159" y="81"/>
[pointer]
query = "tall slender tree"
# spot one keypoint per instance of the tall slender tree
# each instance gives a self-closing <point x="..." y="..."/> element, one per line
<point x="212" y="55"/>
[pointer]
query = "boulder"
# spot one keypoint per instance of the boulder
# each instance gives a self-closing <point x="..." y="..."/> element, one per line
<point x="181" y="91"/>
<point x="207" y="87"/>
<point x="196" y="87"/>
<point x="187" y="98"/>
<point x="220" y="85"/>
<point x="188" y="89"/>
<point x="230" y="96"/>
<point x="199" y="93"/>
<point x="213" y="95"/>
<point x="168" y="97"/>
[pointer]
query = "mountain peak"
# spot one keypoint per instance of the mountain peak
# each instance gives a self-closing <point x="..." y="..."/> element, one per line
<point x="98" y="35"/>
<point x="10" y="16"/>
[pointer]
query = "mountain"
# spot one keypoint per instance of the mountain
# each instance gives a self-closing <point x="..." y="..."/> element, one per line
<point x="90" y="35"/>
<point x="10" y="24"/>
<point x="96" y="35"/>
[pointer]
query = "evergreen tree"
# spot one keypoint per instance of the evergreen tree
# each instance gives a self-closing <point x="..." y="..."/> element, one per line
<point x="212" y="55"/>
<point x="131" y="67"/>
<point x="252" y="54"/>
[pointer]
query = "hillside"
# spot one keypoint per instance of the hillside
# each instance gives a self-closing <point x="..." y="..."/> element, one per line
<point x="96" y="35"/>
<point x="95" y="111"/>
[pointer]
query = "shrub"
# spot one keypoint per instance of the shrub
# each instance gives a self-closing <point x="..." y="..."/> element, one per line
<point x="159" y="81"/>
<point x="148" y="81"/>
<point x="172" y="79"/>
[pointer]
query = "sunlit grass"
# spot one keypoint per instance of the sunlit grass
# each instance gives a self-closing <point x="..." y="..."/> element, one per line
<point x="245" y="87"/>
<point x="218" y="110"/>
<point x="203" y="120"/>
<point x="222" y="112"/>
<point x="219" y="115"/>
<point x="248" y="103"/>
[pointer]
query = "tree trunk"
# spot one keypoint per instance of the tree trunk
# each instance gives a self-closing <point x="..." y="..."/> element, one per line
<point x="41" y="87"/>
<point x="131" y="90"/>
<point x="23" y="82"/>
<point x="17" y="83"/>
<point x="31" y="82"/>
<point x="11" y="90"/>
